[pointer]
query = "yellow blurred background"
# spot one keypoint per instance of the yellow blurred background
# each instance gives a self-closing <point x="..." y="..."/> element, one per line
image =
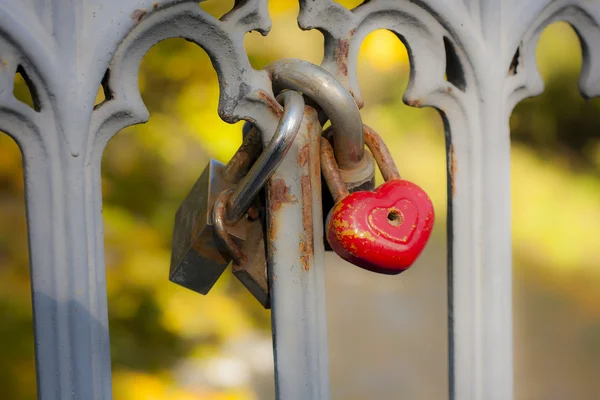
<point x="169" y="343"/>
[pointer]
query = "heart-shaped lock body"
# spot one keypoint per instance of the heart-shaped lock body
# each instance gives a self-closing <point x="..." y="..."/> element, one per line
<point x="382" y="231"/>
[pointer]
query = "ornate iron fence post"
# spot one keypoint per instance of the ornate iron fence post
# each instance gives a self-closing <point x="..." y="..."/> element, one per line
<point x="486" y="50"/>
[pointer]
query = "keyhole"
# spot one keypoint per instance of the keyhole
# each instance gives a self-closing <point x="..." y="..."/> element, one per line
<point x="394" y="218"/>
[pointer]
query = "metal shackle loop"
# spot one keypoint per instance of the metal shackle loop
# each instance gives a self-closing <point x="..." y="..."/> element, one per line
<point x="221" y="234"/>
<point x="337" y="103"/>
<point x="248" y="187"/>
<point x="380" y="152"/>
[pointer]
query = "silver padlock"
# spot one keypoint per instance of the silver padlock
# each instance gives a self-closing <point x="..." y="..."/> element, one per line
<point x="198" y="257"/>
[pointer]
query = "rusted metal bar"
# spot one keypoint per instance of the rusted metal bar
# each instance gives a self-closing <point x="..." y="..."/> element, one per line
<point x="296" y="269"/>
<point x="278" y="146"/>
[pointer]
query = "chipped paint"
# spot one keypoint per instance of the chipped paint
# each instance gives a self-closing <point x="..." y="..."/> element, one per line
<point x="271" y="103"/>
<point x="340" y="223"/>
<point x="342" y="56"/>
<point x="271" y="234"/>
<point x="356" y="234"/>
<point x="308" y="244"/>
<point x="138" y="15"/>
<point x="342" y="53"/>
<point x="303" y="155"/>
<point x="453" y="168"/>
<point x="279" y="194"/>
<point x="414" y="102"/>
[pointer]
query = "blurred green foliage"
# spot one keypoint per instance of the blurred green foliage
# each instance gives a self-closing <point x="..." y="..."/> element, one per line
<point x="148" y="169"/>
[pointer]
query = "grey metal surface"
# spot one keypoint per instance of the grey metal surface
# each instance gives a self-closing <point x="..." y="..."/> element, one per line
<point x="66" y="49"/>
<point x="296" y="270"/>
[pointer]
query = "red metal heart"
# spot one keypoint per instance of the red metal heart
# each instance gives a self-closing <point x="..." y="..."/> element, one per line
<point x="382" y="231"/>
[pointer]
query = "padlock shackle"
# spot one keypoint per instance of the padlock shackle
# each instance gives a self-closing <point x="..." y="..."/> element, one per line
<point x="218" y="219"/>
<point x="337" y="103"/>
<point x="329" y="169"/>
<point x="380" y="152"/>
<point x="244" y="157"/>
<point x="273" y="154"/>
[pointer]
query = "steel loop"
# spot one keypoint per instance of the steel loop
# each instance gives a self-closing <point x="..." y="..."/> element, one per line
<point x="273" y="154"/>
<point x="220" y="233"/>
<point x="339" y="105"/>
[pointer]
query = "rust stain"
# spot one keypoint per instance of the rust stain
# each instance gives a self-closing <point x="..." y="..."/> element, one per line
<point x="155" y="6"/>
<point x="315" y="162"/>
<point x="381" y="153"/>
<point x="343" y="52"/>
<point x="279" y="194"/>
<point x="305" y="253"/>
<point x="202" y="241"/>
<point x="449" y="89"/>
<point x="242" y="160"/>
<point x="453" y="169"/>
<point x="238" y="162"/>
<point x="253" y="213"/>
<point x="273" y="105"/>
<point x="226" y="240"/>
<point x="4" y="63"/>
<point x="138" y="15"/>
<point x="303" y="155"/>
<point x="307" y="245"/>
<point x="342" y="56"/>
<point x="271" y="233"/>
<point x="334" y="180"/>
<point x="415" y="103"/>
<point x="309" y="124"/>
<point x="204" y="245"/>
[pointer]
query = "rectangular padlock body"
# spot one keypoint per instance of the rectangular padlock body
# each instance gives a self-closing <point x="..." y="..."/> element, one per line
<point x="196" y="260"/>
<point x="253" y="273"/>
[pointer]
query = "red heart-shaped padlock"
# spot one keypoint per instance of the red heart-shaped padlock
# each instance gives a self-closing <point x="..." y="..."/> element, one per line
<point x="382" y="231"/>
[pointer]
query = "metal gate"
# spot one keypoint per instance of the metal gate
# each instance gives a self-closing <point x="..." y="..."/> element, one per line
<point x="472" y="60"/>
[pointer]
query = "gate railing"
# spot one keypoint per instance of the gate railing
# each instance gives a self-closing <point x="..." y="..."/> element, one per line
<point x="473" y="60"/>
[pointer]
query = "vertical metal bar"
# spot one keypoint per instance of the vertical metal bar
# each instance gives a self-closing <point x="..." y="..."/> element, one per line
<point x="67" y="273"/>
<point x="296" y="270"/>
<point x="480" y="250"/>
